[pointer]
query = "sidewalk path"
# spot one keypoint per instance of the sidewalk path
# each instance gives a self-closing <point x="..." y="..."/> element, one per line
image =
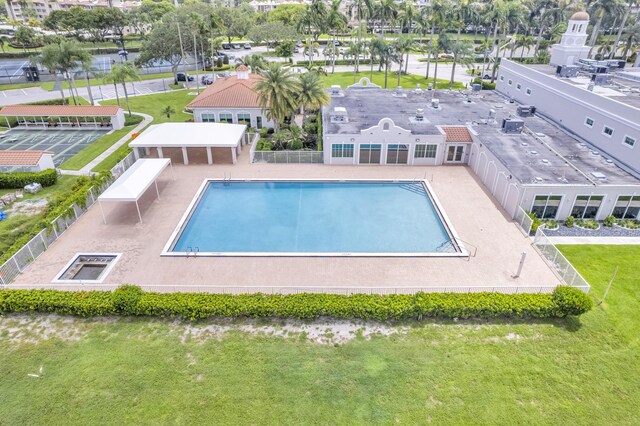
<point x="145" y="122"/>
<point x="595" y="240"/>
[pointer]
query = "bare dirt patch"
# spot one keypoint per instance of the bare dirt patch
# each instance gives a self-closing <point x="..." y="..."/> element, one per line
<point x="28" y="207"/>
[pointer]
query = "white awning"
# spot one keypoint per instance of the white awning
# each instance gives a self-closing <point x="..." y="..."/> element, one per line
<point x="190" y="135"/>
<point x="135" y="181"/>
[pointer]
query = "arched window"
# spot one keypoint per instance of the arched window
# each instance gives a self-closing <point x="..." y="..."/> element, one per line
<point x="385" y="127"/>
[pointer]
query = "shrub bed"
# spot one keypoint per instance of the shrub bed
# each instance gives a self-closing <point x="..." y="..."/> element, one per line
<point x="133" y="119"/>
<point x="328" y="62"/>
<point x="130" y="300"/>
<point x="16" y="180"/>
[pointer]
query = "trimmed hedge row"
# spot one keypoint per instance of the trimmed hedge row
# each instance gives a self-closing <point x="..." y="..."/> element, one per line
<point x="17" y="180"/>
<point x="328" y="63"/>
<point x="131" y="300"/>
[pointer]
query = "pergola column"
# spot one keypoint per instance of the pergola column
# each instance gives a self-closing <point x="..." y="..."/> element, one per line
<point x="234" y="157"/>
<point x="136" y="153"/>
<point x="160" y="155"/>
<point x="185" y="156"/>
<point x="209" y="156"/>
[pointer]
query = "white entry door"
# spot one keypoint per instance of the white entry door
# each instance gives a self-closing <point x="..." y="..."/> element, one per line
<point x="455" y="153"/>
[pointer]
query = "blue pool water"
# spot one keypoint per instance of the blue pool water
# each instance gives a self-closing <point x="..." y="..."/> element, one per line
<point x="321" y="217"/>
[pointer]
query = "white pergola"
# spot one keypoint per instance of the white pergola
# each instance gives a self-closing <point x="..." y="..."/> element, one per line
<point x="130" y="186"/>
<point x="191" y="135"/>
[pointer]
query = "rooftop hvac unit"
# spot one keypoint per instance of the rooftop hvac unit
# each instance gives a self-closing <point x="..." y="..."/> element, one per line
<point x="602" y="70"/>
<point x="476" y="87"/>
<point x="567" y="70"/>
<point x="600" y="79"/>
<point x="526" y="110"/>
<point x="435" y="103"/>
<point x="622" y="64"/>
<point x="512" y="125"/>
<point x="420" y="114"/>
<point x="335" y="89"/>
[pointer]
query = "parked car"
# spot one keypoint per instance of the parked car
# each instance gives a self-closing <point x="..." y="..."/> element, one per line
<point x="183" y="77"/>
<point x="226" y="46"/>
<point x="223" y="75"/>
<point x="236" y="46"/>
<point x="296" y="49"/>
<point x="206" y="80"/>
<point x="336" y="43"/>
<point x="299" y="44"/>
<point x="247" y="46"/>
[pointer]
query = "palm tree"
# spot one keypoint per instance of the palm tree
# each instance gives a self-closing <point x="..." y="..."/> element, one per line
<point x="378" y="48"/>
<point x="524" y="42"/>
<point x="335" y="21"/>
<point x="632" y="35"/>
<point x="168" y="110"/>
<point x="401" y="46"/>
<point x="462" y="54"/>
<point x="439" y="11"/>
<point x="386" y="12"/>
<point x="277" y="90"/>
<point x="311" y="94"/>
<point x="622" y="27"/>
<point x="363" y="9"/>
<point x="122" y="73"/>
<point x="599" y="9"/>
<point x="408" y="15"/>
<point x="86" y="67"/>
<point x="63" y="59"/>
<point x="256" y="62"/>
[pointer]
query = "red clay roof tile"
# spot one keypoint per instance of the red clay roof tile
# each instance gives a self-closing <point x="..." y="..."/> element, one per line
<point x="21" y="158"/>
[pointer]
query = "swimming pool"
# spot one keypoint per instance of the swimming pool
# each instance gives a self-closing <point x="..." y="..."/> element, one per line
<point x="304" y="218"/>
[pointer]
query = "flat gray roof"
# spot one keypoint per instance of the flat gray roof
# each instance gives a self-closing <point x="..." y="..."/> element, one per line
<point x="544" y="154"/>
<point x="625" y="87"/>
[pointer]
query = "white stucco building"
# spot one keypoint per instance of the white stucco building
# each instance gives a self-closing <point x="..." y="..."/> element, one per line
<point x="572" y="45"/>
<point x="231" y="100"/>
<point x="524" y="160"/>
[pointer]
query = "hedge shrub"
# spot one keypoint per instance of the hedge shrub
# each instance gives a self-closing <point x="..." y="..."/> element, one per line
<point x="59" y="206"/>
<point x="130" y="300"/>
<point x="16" y="180"/>
<point x="133" y="119"/>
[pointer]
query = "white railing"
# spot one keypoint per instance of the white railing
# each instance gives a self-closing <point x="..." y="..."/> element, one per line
<point x="297" y="290"/>
<point x="284" y="157"/>
<point x="524" y="221"/>
<point x="556" y="260"/>
<point x="24" y="257"/>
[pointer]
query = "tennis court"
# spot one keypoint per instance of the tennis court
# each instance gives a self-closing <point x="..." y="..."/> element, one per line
<point x="63" y="143"/>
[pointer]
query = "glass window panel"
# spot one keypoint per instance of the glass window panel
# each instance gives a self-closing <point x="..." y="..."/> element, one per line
<point x="208" y="118"/>
<point x="431" y="151"/>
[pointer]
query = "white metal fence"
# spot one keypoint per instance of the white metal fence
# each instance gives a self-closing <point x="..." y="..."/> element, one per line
<point x="284" y="157"/>
<point x="41" y="242"/>
<point x="298" y="290"/>
<point x="569" y="275"/>
<point x="524" y="221"/>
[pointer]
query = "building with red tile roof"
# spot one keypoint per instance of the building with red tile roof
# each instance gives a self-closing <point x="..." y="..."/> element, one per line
<point x="79" y="116"/>
<point x="231" y="100"/>
<point x="33" y="161"/>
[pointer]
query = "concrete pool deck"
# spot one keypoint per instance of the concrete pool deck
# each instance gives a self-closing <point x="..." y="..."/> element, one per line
<point x="477" y="219"/>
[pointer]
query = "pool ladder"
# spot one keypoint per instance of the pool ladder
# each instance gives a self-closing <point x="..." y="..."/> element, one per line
<point x="226" y="180"/>
<point x="193" y="251"/>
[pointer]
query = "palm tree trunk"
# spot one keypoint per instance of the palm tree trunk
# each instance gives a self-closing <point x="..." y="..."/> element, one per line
<point x="73" y="96"/>
<point x="386" y="73"/>
<point x="435" y="73"/>
<point x="115" y="86"/>
<point x="433" y="31"/>
<point x="619" y="35"/>
<point x="453" y="71"/>
<point x="126" y="96"/>
<point x="89" y="88"/>
<point x="594" y="34"/>
<point x="495" y="62"/>
<point x="400" y="69"/>
<point x="539" y="39"/>
<point x="371" y="73"/>
<point x="333" y="51"/>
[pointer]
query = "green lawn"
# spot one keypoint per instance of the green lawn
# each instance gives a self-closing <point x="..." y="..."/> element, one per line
<point x="15" y="226"/>
<point x="83" y="158"/>
<point x="151" y="371"/>
<point x="152" y="105"/>
<point x="408" y="81"/>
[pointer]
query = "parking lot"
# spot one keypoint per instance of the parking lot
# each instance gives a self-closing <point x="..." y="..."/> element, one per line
<point x="63" y="143"/>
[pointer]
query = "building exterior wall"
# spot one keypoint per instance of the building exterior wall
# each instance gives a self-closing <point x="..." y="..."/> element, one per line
<point x="46" y="162"/>
<point x="117" y="121"/>
<point x="253" y="112"/>
<point x="197" y="155"/>
<point x="43" y="8"/>
<point x="378" y="135"/>
<point x="570" y="106"/>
